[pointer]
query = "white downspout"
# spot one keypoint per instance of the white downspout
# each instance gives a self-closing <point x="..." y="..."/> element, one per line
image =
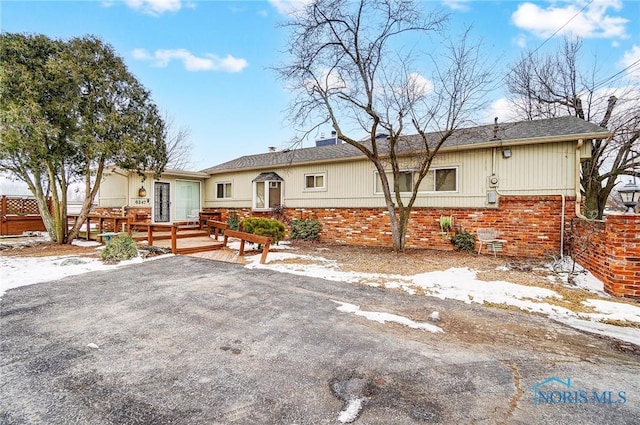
<point x="562" y="220"/>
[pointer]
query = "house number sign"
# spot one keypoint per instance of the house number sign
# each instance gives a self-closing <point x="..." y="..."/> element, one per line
<point x="141" y="201"/>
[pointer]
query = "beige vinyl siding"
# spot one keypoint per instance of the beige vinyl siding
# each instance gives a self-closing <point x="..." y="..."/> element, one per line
<point x="538" y="170"/>
<point x="113" y="191"/>
<point x="531" y="170"/>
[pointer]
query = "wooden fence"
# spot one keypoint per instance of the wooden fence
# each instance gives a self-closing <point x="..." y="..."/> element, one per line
<point x="19" y="214"/>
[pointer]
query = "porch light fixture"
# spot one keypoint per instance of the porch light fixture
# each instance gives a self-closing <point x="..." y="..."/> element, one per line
<point x="506" y="153"/>
<point x="142" y="192"/>
<point x="630" y="193"/>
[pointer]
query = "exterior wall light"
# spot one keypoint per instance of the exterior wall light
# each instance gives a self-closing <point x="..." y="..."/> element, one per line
<point x="142" y="192"/>
<point x="506" y="153"/>
<point x="630" y="193"/>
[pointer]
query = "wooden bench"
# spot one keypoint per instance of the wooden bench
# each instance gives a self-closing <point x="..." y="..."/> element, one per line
<point x="249" y="237"/>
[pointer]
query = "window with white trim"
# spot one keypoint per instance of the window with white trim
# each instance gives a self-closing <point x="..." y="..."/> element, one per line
<point x="436" y="180"/>
<point x="405" y="181"/>
<point x="315" y="181"/>
<point x="223" y="190"/>
<point x="440" y="180"/>
<point x="267" y="194"/>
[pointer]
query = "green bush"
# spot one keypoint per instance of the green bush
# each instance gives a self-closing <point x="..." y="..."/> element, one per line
<point x="464" y="241"/>
<point x="119" y="248"/>
<point x="264" y="227"/>
<point x="306" y="230"/>
<point x="233" y="221"/>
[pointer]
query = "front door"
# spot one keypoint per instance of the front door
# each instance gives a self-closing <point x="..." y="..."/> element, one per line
<point x="161" y="203"/>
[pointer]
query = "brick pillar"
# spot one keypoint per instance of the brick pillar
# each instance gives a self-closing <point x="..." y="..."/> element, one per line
<point x="623" y="248"/>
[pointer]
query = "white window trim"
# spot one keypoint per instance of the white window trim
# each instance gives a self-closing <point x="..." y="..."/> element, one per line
<point x="215" y="195"/>
<point x="316" y="189"/>
<point x="254" y="199"/>
<point x="174" y="186"/>
<point x="431" y="169"/>
<point x="375" y="181"/>
<point x="452" y="167"/>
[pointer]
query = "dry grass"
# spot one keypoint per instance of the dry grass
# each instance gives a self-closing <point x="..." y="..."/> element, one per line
<point x="622" y="323"/>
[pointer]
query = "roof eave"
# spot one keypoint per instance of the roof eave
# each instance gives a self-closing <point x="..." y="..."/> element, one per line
<point x="470" y="146"/>
<point x="496" y="143"/>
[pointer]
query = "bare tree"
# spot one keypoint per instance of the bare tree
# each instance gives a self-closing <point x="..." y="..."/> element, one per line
<point x="346" y="73"/>
<point x="544" y="86"/>
<point x="178" y="146"/>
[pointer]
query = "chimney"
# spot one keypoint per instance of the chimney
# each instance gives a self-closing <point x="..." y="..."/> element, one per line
<point x="334" y="136"/>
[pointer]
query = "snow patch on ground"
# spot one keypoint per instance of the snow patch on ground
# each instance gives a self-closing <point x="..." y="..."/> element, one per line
<point x="351" y="411"/>
<point x="386" y="317"/>
<point x="23" y="271"/>
<point x="462" y="284"/>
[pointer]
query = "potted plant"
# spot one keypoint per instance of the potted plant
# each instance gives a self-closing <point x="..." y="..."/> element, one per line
<point x="446" y="225"/>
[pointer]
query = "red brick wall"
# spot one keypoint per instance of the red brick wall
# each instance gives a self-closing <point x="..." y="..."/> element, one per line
<point x="613" y="253"/>
<point x="529" y="224"/>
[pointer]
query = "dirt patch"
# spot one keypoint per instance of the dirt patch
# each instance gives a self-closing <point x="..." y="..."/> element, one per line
<point x="49" y="249"/>
<point x="414" y="261"/>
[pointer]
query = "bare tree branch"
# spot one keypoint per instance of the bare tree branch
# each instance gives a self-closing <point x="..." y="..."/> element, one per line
<point x="345" y="71"/>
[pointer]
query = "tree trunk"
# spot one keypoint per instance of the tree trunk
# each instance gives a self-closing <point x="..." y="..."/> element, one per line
<point x="399" y="219"/>
<point x="592" y="188"/>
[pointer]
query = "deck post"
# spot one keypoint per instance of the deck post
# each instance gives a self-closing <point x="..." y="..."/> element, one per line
<point x="100" y="227"/>
<point x="4" y="227"/>
<point x="88" y="224"/>
<point x="150" y="235"/>
<point x="174" y="241"/>
<point x="241" y="253"/>
<point x="265" y="251"/>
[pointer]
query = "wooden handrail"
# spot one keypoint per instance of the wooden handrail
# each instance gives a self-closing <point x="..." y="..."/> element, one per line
<point x="249" y="237"/>
<point x="217" y="227"/>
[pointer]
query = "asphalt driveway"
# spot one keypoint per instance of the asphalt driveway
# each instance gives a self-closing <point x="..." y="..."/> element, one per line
<point x="189" y="341"/>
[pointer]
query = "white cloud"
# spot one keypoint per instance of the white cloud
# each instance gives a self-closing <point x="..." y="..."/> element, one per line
<point x="141" y="54"/>
<point x="157" y="7"/>
<point x="327" y="81"/>
<point x="419" y="85"/>
<point x="631" y="60"/>
<point x="289" y="7"/>
<point x="520" y="41"/>
<point x="460" y="5"/>
<point x="501" y="108"/>
<point x="593" y="22"/>
<point x="209" y="62"/>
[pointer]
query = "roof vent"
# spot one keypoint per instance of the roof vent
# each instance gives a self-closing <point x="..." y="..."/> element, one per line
<point x="272" y="148"/>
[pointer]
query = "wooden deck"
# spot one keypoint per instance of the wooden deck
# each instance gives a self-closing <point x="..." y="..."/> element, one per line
<point x="180" y="238"/>
<point x="188" y="244"/>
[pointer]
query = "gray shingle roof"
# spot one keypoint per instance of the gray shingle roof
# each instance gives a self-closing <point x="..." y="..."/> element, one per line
<point x="508" y="133"/>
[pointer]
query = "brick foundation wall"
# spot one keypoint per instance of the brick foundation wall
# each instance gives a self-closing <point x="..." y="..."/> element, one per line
<point x="529" y="224"/>
<point x="611" y="251"/>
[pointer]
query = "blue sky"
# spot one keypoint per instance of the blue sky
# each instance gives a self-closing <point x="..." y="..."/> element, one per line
<point x="207" y="63"/>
